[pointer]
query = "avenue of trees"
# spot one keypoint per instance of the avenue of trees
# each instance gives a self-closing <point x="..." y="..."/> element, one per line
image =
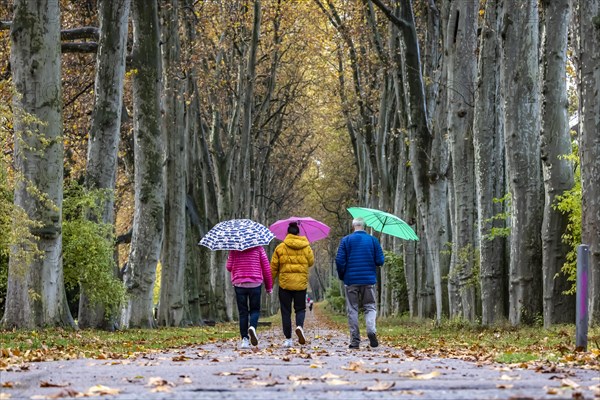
<point x="131" y="127"/>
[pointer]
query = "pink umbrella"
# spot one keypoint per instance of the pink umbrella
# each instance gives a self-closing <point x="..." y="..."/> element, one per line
<point x="311" y="228"/>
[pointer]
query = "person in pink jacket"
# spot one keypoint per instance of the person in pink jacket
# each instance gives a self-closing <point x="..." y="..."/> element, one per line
<point x="249" y="269"/>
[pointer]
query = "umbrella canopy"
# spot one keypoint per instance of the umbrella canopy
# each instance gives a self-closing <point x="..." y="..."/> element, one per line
<point x="311" y="228"/>
<point x="384" y="222"/>
<point x="237" y="234"/>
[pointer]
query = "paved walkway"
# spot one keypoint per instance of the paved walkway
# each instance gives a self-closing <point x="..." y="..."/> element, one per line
<point x="322" y="369"/>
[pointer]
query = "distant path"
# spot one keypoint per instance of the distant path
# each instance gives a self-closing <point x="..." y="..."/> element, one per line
<point x="323" y="369"/>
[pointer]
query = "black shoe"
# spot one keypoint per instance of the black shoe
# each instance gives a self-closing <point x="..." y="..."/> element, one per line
<point x="373" y="339"/>
<point x="354" y="346"/>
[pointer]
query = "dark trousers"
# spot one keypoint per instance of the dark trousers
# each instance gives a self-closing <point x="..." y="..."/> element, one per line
<point x="248" y="304"/>
<point x="286" y="297"/>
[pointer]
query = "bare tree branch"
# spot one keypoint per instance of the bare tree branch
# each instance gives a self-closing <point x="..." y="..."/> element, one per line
<point x="79" y="47"/>
<point x="85" y="32"/>
<point x="399" y="22"/>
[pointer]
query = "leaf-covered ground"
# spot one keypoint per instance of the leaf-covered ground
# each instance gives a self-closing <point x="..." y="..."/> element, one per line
<point x="415" y="360"/>
<point x="524" y="346"/>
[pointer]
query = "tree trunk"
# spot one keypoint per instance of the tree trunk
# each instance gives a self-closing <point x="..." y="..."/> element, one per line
<point x="461" y="44"/>
<point x="171" y="307"/>
<point x="103" y="145"/>
<point x="427" y="162"/>
<point x="522" y="124"/>
<point x="35" y="293"/>
<point x="489" y="170"/>
<point x="148" y="219"/>
<point x="589" y="148"/>
<point x="557" y="170"/>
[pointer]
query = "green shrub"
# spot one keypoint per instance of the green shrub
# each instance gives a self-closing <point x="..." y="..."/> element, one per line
<point x="394" y="263"/>
<point x="335" y="301"/>
<point x="88" y="247"/>
<point x="569" y="203"/>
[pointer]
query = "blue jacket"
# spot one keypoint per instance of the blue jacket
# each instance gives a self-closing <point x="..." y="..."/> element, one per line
<point x="357" y="258"/>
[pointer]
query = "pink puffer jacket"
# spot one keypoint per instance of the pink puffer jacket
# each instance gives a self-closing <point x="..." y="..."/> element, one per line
<point x="250" y="266"/>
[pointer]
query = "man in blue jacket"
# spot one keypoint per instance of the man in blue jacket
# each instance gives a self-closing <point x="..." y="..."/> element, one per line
<point x="357" y="260"/>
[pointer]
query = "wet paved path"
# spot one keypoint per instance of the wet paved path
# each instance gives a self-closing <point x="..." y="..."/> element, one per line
<point x="322" y="369"/>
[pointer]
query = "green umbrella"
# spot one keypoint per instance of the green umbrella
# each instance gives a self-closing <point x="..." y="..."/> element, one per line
<point x="384" y="222"/>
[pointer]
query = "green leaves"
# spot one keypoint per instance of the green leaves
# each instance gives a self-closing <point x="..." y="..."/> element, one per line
<point x="88" y="247"/>
<point x="569" y="203"/>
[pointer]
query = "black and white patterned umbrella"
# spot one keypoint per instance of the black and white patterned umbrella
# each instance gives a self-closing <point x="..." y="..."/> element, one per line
<point x="237" y="234"/>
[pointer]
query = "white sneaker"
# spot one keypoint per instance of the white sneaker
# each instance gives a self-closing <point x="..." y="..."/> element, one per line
<point x="287" y="343"/>
<point x="300" y="333"/>
<point x="245" y="343"/>
<point x="253" y="336"/>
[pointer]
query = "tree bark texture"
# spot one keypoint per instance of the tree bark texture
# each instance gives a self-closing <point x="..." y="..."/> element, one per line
<point x="589" y="149"/>
<point x="103" y="144"/>
<point x="522" y="126"/>
<point x="427" y="160"/>
<point x="461" y="44"/>
<point x="488" y="143"/>
<point x="35" y="293"/>
<point x="171" y="307"/>
<point x="148" y="219"/>
<point x="557" y="170"/>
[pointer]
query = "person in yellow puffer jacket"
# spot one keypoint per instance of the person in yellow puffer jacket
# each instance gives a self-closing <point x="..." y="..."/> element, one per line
<point x="290" y="262"/>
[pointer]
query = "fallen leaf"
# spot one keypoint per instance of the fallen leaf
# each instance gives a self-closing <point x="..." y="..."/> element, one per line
<point x="505" y="386"/>
<point x="295" y="378"/>
<point x="163" y="389"/>
<point x="505" y="377"/>
<point x="430" y="375"/>
<point x="8" y="384"/>
<point x="47" y="384"/>
<point x="337" y="382"/>
<point x="552" y="391"/>
<point x="158" y="381"/>
<point x="263" y="383"/>
<point x="101" y="390"/>
<point x="410" y="392"/>
<point x="329" y="375"/>
<point x="381" y="386"/>
<point x="354" y="366"/>
<point x="4" y="396"/>
<point x="570" y="383"/>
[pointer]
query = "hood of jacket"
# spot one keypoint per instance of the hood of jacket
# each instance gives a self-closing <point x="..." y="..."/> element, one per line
<point x="296" y="242"/>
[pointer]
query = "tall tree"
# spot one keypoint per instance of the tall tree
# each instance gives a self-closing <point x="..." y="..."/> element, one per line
<point x="589" y="148"/>
<point x="171" y="306"/>
<point x="520" y="75"/>
<point x="103" y="144"/>
<point x="488" y="143"/>
<point x="558" y="171"/>
<point x="426" y="150"/>
<point x="36" y="294"/>
<point x="461" y="45"/>
<point x="148" y="219"/>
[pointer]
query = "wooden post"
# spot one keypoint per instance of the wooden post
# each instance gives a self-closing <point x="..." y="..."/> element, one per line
<point x="581" y="314"/>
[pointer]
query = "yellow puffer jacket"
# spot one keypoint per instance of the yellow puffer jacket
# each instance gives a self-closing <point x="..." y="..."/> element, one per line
<point x="291" y="261"/>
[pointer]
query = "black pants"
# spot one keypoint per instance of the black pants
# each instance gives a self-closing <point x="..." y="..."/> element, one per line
<point x="286" y="297"/>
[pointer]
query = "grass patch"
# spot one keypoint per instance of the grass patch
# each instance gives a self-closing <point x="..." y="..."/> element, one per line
<point x="514" y="358"/>
<point x="54" y="344"/>
<point x="461" y="339"/>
